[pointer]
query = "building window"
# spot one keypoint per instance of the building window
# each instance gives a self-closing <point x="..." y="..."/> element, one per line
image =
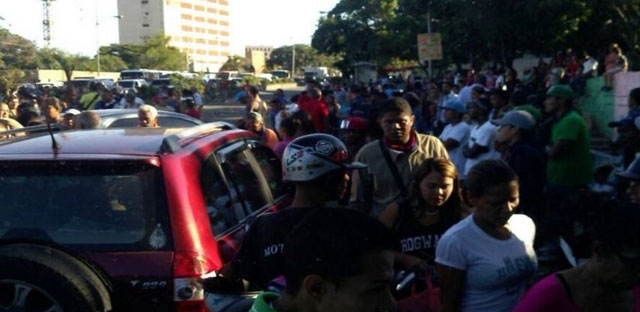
<point x="224" y="23"/>
<point x="224" y="33"/>
<point x="145" y="25"/>
<point x="186" y="28"/>
<point x="224" y="2"/>
<point x="212" y="32"/>
<point x="224" y="43"/>
<point x="213" y="1"/>
<point x="200" y="30"/>
<point x="144" y="1"/>
<point x="212" y="21"/>
<point x="213" y="42"/>
<point x="201" y="41"/>
<point x="186" y="17"/>
<point x="212" y="10"/>
<point x="187" y="39"/>
<point x="185" y="5"/>
<point x="146" y="13"/>
<point x="225" y="53"/>
<point x="224" y="13"/>
<point x="199" y="19"/>
<point x="198" y="8"/>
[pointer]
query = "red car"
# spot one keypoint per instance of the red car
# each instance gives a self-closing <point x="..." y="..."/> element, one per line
<point x="127" y="219"/>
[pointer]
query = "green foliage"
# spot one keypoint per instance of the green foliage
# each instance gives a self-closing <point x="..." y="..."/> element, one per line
<point x="16" y="51"/>
<point x="47" y="59"/>
<point x="475" y="32"/>
<point x="131" y="54"/>
<point x="111" y="63"/>
<point x="159" y="55"/>
<point x="306" y="56"/>
<point x="181" y="83"/>
<point x="10" y="80"/>
<point x="237" y="63"/>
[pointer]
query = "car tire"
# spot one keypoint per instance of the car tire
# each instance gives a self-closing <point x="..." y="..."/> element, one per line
<point x="47" y="279"/>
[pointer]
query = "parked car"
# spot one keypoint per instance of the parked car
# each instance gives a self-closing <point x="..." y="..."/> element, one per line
<point x="161" y="82"/>
<point x="128" y="118"/>
<point x="128" y="84"/>
<point x="128" y="219"/>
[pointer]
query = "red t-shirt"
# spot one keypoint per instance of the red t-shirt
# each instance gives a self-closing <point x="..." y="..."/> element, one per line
<point x="318" y="111"/>
<point x="194" y="113"/>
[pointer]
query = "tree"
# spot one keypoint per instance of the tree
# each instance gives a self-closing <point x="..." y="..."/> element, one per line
<point x="237" y="63"/>
<point x="47" y="58"/>
<point x="306" y="56"/>
<point x="472" y="31"/>
<point x="69" y="63"/>
<point x="112" y="63"/>
<point x="130" y="54"/>
<point x="159" y="55"/>
<point x="9" y="80"/>
<point x="16" y="51"/>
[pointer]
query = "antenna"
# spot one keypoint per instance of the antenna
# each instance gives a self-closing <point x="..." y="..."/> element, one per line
<point x="54" y="144"/>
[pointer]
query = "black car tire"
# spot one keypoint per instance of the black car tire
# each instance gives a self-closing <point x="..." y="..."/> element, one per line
<point x="50" y="274"/>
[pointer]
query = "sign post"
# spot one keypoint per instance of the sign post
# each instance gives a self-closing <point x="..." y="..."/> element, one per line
<point x="429" y="48"/>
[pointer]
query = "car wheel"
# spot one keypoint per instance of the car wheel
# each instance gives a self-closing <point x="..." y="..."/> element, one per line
<point x="41" y="278"/>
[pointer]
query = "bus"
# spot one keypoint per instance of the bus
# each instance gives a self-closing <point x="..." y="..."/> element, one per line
<point x="146" y="74"/>
<point x="227" y="75"/>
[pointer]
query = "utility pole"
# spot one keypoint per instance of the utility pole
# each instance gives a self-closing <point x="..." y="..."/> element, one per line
<point x="293" y="60"/>
<point x="46" y="22"/>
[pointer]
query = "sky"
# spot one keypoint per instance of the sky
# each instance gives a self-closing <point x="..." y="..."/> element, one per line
<point x="80" y="26"/>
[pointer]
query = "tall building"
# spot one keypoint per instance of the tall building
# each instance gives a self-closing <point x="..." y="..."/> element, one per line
<point x="199" y="28"/>
<point x="266" y="49"/>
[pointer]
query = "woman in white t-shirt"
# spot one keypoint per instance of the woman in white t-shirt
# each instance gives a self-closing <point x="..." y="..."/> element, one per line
<point x="486" y="260"/>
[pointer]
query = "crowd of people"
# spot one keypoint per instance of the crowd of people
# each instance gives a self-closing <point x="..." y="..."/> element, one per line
<point x="474" y="184"/>
<point x="74" y="108"/>
<point x="464" y="183"/>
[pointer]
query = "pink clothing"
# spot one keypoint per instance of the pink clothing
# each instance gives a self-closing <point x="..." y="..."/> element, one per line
<point x="548" y="295"/>
<point x="279" y="148"/>
<point x="611" y="61"/>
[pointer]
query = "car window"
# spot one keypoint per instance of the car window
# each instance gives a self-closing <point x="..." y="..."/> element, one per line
<point x="173" y="122"/>
<point x="221" y="208"/>
<point x="75" y="204"/>
<point x="240" y="170"/>
<point x="271" y="169"/>
<point x="125" y="123"/>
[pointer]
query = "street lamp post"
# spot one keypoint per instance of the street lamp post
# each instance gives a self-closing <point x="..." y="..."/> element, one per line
<point x="293" y="60"/>
<point x="98" y="41"/>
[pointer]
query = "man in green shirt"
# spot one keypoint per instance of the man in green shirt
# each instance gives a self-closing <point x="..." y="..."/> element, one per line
<point x="570" y="163"/>
<point x="335" y="260"/>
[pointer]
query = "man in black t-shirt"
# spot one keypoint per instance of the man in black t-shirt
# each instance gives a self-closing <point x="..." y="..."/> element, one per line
<point x="318" y="166"/>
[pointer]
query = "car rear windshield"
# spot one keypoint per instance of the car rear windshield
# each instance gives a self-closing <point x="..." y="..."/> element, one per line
<point x="117" y="205"/>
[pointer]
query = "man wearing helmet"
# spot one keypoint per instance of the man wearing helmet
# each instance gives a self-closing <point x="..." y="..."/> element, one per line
<point x="317" y="164"/>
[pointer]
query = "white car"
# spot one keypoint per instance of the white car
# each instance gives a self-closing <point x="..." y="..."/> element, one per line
<point x="128" y="84"/>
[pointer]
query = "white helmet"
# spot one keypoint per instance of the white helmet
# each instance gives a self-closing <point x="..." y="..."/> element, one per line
<point x="311" y="156"/>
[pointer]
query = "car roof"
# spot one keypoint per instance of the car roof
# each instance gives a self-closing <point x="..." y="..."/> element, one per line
<point x="107" y="142"/>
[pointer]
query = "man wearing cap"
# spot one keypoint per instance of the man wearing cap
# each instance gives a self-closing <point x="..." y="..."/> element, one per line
<point x="456" y="133"/>
<point x="632" y="174"/>
<point x="353" y="132"/>
<point x="69" y="117"/>
<point x="163" y="102"/>
<point x="481" y="140"/>
<point x="107" y="100"/>
<point x="255" y="124"/>
<point x="570" y="163"/>
<point x="515" y="133"/>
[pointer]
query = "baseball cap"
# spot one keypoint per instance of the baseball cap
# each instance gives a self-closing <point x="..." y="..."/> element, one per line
<point x="563" y="92"/>
<point x="354" y="123"/>
<point x="454" y="105"/>
<point x="71" y="111"/>
<point x="632" y="172"/>
<point x="517" y="118"/>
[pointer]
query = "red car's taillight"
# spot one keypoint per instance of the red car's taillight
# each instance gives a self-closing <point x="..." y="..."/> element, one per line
<point x="188" y="271"/>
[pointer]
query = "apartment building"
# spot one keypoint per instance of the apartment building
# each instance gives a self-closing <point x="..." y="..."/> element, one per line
<point x="199" y="28"/>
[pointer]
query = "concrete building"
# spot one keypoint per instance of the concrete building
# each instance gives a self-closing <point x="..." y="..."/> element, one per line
<point x="199" y="28"/>
<point x="266" y="49"/>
